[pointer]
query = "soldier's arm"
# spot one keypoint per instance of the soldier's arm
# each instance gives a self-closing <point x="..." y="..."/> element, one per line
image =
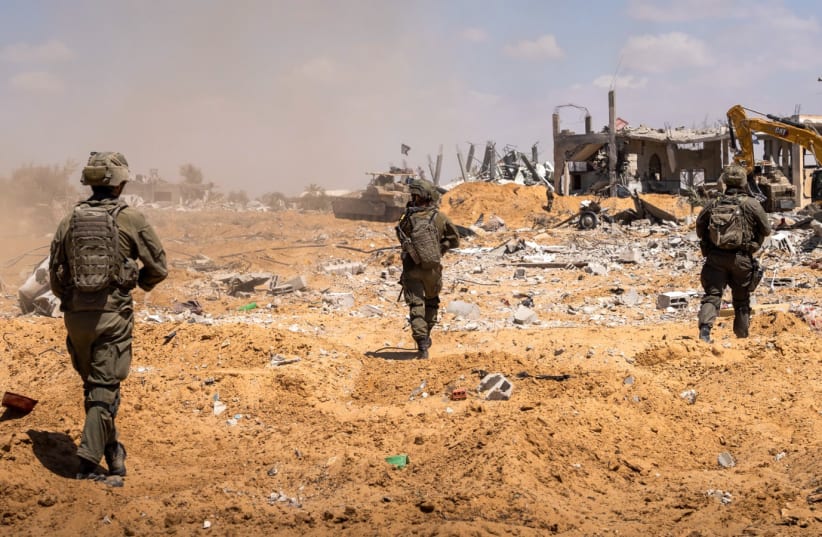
<point x="57" y="263"/>
<point x="702" y="222"/>
<point x="152" y="255"/>
<point x="762" y="227"/>
<point x="450" y="236"/>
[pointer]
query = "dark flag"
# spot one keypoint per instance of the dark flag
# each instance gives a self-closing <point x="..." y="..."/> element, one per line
<point x="404" y="149"/>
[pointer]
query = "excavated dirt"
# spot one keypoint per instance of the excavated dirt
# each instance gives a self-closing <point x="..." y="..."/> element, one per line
<point x="610" y="443"/>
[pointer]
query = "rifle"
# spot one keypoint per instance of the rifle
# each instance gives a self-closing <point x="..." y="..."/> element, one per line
<point x="756" y="275"/>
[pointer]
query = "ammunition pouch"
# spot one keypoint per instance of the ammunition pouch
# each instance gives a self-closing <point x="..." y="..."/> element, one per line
<point x="129" y="275"/>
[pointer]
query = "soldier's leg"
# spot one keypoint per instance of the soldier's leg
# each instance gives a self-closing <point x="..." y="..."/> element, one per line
<point x="111" y="359"/>
<point x="740" y="283"/>
<point x="432" y="306"/>
<point x="433" y="286"/>
<point x="713" y="280"/>
<point x="415" y="298"/>
<point x="102" y="403"/>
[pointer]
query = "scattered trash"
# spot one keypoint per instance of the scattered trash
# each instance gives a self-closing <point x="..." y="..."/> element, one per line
<point x="168" y="337"/>
<point x="206" y="524"/>
<point x="419" y="390"/>
<point x="689" y="396"/>
<point x="458" y="394"/>
<point x="219" y="407"/>
<point x="278" y="360"/>
<point x="248" y="307"/>
<point x="18" y="402"/>
<point x="726" y="460"/>
<point x="724" y="498"/>
<point x="398" y="461"/>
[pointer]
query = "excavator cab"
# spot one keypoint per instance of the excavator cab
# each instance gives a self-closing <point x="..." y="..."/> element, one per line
<point x="816" y="185"/>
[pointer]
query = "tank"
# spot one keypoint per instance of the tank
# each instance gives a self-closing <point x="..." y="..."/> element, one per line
<point x="383" y="200"/>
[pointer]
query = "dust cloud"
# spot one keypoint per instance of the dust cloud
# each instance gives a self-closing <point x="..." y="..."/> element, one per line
<point x="263" y="98"/>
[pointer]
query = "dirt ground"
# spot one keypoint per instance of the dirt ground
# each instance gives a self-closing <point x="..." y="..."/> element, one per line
<point x="607" y="444"/>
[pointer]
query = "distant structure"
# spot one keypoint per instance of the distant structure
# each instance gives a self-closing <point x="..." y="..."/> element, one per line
<point x="651" y="160"/>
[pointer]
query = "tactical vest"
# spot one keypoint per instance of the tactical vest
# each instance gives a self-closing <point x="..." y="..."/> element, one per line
<point x="727" y="226"/>
<point x="425" y="238"/>
<point x="93" y="246"/>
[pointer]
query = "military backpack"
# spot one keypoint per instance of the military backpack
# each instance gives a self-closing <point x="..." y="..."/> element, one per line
<point x="727" y="224"/>
<point x="93" y="246"/>
<point x="424" y="238"/>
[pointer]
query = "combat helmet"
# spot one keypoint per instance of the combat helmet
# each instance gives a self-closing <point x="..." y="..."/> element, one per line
<point x="735" y="175"/>
<point x="105" y="168"/>
<point x="421" y="188"/>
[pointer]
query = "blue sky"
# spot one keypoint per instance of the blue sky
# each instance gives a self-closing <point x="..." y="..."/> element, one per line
<point x="274" y="95"/>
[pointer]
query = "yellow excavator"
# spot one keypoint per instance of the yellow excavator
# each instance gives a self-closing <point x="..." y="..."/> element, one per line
<point x="777" y="193"/>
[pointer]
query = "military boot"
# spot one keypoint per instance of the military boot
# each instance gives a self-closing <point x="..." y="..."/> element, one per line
<point x="742" y="318"/>
<point x="423" y="344"/>
<point x="116" y="459"/>
<point x="705" y="333"/>
<point x="88" y="470"/>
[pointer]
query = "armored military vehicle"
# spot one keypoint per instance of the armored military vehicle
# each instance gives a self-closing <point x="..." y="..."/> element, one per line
<point x="383" y="200"/>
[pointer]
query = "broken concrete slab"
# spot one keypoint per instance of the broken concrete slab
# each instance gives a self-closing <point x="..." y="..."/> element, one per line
<point x="631" y="255"/>
<point x="344" y="268"/>
<point x="672" y="299"/>
<point x="524" y="315"/>
<point x="597" y="269"/>
<point x="298" y="283"/>
<point x="339" y="300"/>
<point x="631" y="297"/>
<point x="496" y="387"/>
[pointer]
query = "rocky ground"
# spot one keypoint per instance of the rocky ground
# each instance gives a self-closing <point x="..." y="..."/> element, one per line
<point x="620" y="422"/>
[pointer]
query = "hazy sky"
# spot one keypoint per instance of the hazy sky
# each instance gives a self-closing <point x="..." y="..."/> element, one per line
<point x="273" y="95"/>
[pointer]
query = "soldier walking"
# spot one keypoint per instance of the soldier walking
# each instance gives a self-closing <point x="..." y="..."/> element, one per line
<point x="731" y="229"/>
<point x="92" y="269"/>
<point x="425" y="235"/>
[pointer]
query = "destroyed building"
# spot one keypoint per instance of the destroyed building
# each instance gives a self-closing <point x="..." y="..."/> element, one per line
<point x="152" y="188"/>
<point x="639" y="158"/>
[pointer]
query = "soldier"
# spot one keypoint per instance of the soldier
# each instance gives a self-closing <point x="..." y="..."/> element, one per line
<point x="425" y="234"/>
<point x="730" y="230"/>
<point x="92" y="270"/>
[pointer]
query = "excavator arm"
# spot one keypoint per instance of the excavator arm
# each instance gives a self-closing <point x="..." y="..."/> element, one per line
<point x="743" y="127"/>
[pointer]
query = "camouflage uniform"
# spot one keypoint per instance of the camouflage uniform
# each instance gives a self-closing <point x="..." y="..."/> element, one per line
<point x="732" y="268"/>
<point x="99" y="325"/>
<point x="421" y="287"/>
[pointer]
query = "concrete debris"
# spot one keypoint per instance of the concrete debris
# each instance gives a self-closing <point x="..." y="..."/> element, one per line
<point x="464" y="310"/>
<point x="597" y="269"/>
<point x="689" y="396"/>
<point x="344" y="268"/>
<point x="672" y="299"/>
<point x="297" y="283"/>
<point x="496" y="387"/>
<point x="492" y="223"/>
<point x="726" y="460"/>
<point x="237" y="284"/>
<point x="724" y="497"/>
<point x="631" y="255"/>
<point x="524" y="316"/>
<point x="370" y="311"/>
<point x="630" y="297"/>
<point x="339" y="300"/>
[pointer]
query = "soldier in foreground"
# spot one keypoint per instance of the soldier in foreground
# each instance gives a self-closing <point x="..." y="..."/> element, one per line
<point x="731" y="229"/>
<point x="92" y="270"/>
<point x="425" y="235"/>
